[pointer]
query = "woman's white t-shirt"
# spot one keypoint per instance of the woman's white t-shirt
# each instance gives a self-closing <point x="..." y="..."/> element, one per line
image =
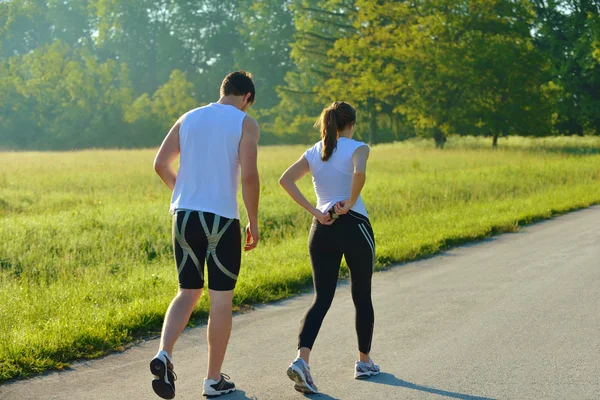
<point x="332" y="179"/>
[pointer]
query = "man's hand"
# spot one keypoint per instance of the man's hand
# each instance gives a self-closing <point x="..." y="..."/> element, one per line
<point x="252" y="237"/>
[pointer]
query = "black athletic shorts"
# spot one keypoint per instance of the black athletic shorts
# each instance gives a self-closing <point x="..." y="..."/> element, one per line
<point x="199" y="236"/>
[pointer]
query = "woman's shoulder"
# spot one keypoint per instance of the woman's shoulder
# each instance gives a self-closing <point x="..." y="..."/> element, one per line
<point x="353" y="145"/>
<point x="313" y="151"/>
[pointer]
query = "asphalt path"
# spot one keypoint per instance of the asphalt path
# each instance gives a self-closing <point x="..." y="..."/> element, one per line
<point x="513" y="317"/>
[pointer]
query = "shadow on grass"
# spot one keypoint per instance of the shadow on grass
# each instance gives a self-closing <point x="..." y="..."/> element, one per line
<point x="391" y="380"/>
<point x="569" y="150"/>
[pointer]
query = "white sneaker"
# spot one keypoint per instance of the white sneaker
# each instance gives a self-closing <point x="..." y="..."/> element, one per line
<point x="217" y="388"/>
<point x="363" y="370"/>
<point x="299" y="373"/>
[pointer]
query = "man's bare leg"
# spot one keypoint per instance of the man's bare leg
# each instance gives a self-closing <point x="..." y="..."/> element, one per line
<point x="219" y="330"/>
<point x="177" y="317"/>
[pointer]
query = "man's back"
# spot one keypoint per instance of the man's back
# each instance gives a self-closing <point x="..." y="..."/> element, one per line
<point x="207" y="180"/>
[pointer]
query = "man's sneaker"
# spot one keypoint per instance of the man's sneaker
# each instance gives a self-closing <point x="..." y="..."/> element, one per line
<point x="299" y="372"/>
<point x="363" y="370"/>
<point x="164" y="377"/>
<point x="217" y="388"/>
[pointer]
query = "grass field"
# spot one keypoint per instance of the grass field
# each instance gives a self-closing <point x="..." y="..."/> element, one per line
<point x="85" y="249"/>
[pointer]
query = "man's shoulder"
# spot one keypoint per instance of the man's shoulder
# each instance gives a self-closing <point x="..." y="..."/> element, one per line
<point x="249" y="123"/>
<point x="192" y="112"/>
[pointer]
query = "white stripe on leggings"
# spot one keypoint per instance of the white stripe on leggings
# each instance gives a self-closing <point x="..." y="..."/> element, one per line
<point x="366" y="233"/>
<point x="367" y="236"/>
<point x="359" y="217"/>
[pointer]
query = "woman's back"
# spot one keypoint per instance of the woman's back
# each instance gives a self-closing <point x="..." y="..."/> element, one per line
<point x="332" y="179"/>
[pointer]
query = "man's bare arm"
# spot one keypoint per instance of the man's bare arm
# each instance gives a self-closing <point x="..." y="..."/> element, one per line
<point x="168" y="152"/>
<point x="250" y="179"/>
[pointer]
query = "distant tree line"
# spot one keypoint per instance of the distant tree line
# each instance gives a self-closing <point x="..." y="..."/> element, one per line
<point x="100" y="73"/>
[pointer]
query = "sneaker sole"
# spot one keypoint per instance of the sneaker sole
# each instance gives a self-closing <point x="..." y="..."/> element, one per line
<point x="217" y="393"/>
<point x="300" y="385"/>
<point x="302" y="389"/>
<point x="365" y="375"/>
<point x="160" y="387"/>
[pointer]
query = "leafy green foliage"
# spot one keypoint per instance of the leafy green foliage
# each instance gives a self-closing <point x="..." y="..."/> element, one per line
<point x="429" y="68"/>
<point x="168" y="103"/>
<point x="447" y="66"/>
<point x="568" y="32"/>
<point x="57" y="97"/>
<point x="163" y="55"/>
<point x="318" y="25"/>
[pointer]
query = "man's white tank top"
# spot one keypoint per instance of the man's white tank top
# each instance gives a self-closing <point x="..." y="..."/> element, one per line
<point x="209" y="168"/>
<point x="332" y="179"/>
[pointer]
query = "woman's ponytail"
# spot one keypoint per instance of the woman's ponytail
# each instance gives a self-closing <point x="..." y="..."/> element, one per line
<point x="328" y="133"/>
<point x="334" y="119"/>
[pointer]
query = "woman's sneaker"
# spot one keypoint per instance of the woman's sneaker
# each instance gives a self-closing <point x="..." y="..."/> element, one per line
<point x="363" y="370"/>
<point x="217" y="388"/>
<point x="299" y="373"/>
<point x="164" y="376"/>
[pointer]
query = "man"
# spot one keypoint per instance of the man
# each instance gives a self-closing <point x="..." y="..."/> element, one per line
<point x="214" y="142"/>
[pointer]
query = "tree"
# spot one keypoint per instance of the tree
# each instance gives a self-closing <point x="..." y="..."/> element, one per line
<point x="567" y="32"/>
<point x="23" y="27"/>
<point x="18" y="130"/>
<point x="147" y="40"/>
<point x="318" y="25"/>
<point x="149" y="119"/>
<point x="57" y="97"/>
<point x="26" y="25"/>
<point x="173" y="99"/>
<point x="267" y="28"/>
<point x="466" y="67"/>
<point x="366" y="70"/>
<point x="143" y="34"/>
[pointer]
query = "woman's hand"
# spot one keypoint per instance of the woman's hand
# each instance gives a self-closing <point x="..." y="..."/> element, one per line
<point x="323" y="218"/>
<point x="342" y="207"/>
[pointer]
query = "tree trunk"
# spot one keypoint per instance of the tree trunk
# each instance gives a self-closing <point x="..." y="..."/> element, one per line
<point x="372" y="124"/>
<point x="372" y="130"/>
<point x="495" y="141"/>
<point x="394" y="126"/>
<point x="153" y="64"/>
<point x="439" y="137"/>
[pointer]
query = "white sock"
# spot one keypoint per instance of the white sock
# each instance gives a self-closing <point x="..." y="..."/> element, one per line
<point x="162" y="353"/>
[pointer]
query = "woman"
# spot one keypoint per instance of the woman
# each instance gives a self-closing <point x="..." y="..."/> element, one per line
<point x="340" y="227"/>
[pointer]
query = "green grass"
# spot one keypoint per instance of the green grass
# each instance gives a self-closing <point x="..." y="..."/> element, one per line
<point x="85" y="249"/>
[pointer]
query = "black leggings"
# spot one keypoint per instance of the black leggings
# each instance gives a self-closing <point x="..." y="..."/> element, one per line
<point x="350" y="236"/>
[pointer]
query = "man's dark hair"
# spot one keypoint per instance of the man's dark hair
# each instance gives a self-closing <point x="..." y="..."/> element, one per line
<point x="238" y="83"/>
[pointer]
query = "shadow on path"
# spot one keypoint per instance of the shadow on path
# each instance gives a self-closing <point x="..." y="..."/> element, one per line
<point x="237" y="395"/>
<point x="320" y="396"/>
<point x="389" y="379"/>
